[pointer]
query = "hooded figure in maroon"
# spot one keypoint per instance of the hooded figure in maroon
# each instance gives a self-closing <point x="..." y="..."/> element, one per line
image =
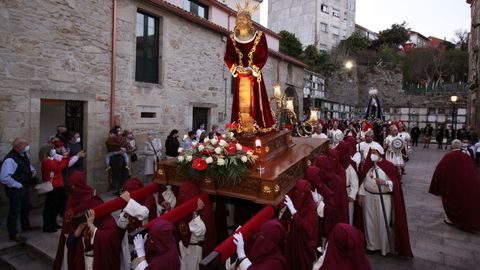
<point x="187" y="191"/>
<point x="457" y="180"/>
<point x="345" y="250"/>
<point x="402" y="238"/>
<point x="161" y="248"/>
<point x="337" y="185"/>
<point x="326" y="222"/>
<point x="265" y="250"/>
<point x="301" y="228"/>
<point x="107" y="243"/>
<point x="133" y="184"/>
<point x="79" y="192"/>
<point x="344" y="155"/>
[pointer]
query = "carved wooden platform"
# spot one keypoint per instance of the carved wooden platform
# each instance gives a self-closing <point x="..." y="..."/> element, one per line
<point x="285" y="162"/>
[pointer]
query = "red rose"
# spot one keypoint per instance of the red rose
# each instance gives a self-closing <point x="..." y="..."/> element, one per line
<point x="199" y="164"/>
<point x="246" y="149"/>
<point x="231" y="149"/>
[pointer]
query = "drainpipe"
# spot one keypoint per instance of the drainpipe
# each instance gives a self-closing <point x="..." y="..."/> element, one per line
<point x="113" y="66"/>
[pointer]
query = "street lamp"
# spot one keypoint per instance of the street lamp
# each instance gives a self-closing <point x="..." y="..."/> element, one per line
<point x="349" y="65"/>
<point x="454" y="100"/>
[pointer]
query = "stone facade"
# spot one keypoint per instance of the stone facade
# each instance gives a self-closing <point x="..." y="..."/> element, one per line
<point x="474" y="66"/>
<point x="61" y="50"/>
<point x="323" y="23"/>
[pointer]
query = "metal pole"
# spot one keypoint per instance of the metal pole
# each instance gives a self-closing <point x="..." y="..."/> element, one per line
<point x="383" y="206"/>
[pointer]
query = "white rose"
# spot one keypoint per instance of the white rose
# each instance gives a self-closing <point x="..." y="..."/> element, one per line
<point x="218" y="150"/>
<point x="244" y="159"/>
<point x="221" y="162"/>
<point x="181" y="158"/>
<point x="231" y="134"/>
<point x="189" y="158"/>
<point x="249" y="153"/>
<point x="180" y="150"/>
<point x="239" y="147"/>
<point x="201" y="147"/>
<point x="194" y="143"/>
<point x="214" y="141"/>
<point x="223" y="143"/>
<point x="209" y="160"/>
<point x="206" y="140"/>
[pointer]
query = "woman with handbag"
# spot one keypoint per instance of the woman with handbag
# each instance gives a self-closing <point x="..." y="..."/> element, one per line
<point x="53" y="185"/>
<point x="153" y="153"/>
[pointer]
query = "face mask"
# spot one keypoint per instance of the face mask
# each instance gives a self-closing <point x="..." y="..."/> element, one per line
<point x="130" y="136"/>
<point x="52" y="153"/>
<point x="464" y="146"/>
<point x="78" y="140"/>
<point x="27" y="149"/>
<point x="374" y="158"/>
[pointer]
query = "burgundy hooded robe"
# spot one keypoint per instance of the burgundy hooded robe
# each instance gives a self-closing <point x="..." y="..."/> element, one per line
<point x="161" y="248"/>
<point x="346" y="249"/>
<point x="301" y="228"/>
<point x="266" y="251"/>
<point x="337" y="185"/>
<point x="457" y="180"/>
<point x="326" y="222"/>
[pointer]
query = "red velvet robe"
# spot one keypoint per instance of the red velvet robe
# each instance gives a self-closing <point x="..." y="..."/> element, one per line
<point x="457" y="180"/>
<point x="259" y="105"/>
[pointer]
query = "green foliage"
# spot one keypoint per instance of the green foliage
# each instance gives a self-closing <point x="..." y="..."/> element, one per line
<point x="289" y="44"/>
<point x="428" y="65"/>
<point x="355" y="44"/>
<point x="318" y="62"/>
<point x="392" y="37"/>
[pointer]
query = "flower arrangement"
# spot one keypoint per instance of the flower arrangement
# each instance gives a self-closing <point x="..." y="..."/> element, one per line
<point x="223" y="159"/>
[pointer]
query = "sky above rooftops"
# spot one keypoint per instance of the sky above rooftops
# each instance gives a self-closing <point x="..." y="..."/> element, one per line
<point x="438" y="18"/>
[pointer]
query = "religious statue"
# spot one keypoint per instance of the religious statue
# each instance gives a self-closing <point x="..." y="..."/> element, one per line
<point x="374" y="110"/>
<point x="245" y="56"/>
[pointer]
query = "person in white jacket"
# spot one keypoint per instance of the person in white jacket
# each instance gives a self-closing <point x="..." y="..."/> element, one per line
<point x="153" y="153"/>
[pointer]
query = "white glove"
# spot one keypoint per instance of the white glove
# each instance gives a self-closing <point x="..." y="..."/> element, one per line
<point x="238" y="240"/>
<point x="315" y="196"/>
<point x="139" y="243"/>
<point x="288" y="202"/>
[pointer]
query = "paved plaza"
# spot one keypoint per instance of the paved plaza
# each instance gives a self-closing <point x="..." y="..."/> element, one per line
<point x="435" y="245"/>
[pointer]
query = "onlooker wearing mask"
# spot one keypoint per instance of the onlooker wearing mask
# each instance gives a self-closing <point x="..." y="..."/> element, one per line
<point x="16" y="174"/>
<point x="52" y="166"/>
<point x="153" y="152"/>
<point x="200" y="130"/>
<point x="131" y="146"/>
<point x="187" y="142"/>
<point x="74" y="145"/>
<point x="172" y="144"/>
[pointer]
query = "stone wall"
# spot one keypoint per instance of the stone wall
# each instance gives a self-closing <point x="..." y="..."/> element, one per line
<point x="352" y="88"/>
<point x="474" y="66"/>
<point x="62" y="50"/>
<point x="56" y="50"/>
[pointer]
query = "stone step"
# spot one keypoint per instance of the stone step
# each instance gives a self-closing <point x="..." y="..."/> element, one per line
<point x="23" y="257"/>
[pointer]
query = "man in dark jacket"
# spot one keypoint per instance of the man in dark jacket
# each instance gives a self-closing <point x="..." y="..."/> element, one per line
<point x="17" y="174"/>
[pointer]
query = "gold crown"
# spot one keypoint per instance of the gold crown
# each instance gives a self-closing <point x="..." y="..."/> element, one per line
<point x="247" y="8"/>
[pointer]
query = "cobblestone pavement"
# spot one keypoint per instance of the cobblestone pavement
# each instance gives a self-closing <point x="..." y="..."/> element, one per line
<point x="435" y="244"/>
